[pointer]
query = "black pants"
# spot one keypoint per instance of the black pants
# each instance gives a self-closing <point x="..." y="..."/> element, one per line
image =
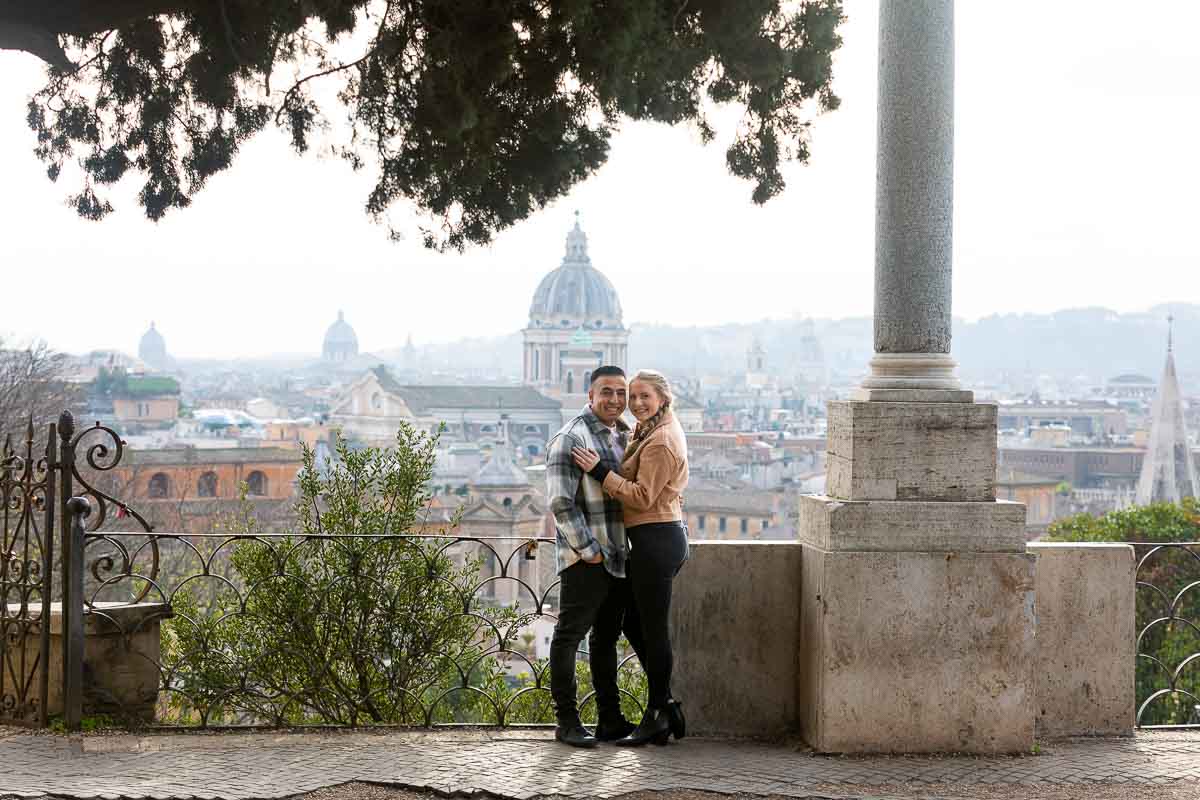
<point x="589" y="598"/>
<point x="656" y="553"/>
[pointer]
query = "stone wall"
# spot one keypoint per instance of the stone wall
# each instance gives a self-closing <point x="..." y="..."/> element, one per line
<point x="741" y="654"/>
<point x="735" y="628"/>
<point x="1086" y="639"/>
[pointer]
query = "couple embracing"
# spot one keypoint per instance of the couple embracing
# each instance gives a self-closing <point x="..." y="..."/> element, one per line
<point x="616" y="497"/>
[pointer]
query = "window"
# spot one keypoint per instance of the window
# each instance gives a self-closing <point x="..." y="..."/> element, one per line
<point x="507" y="502"/>
<point x="487" y="428"/>
<point x="745" y="525"/>
<point x="376" y="401"/>
<point x="762" y="525"/>
<point x="721" y="524"/>
<point x="256" y="484"/>
<point x="207" y="487"/>
<point x="570" y="383"/>
<point x="587" y="379"/>
<point x="532" y="429"/>
<point x="700" y="521"/>
<point x="160" y="486"/>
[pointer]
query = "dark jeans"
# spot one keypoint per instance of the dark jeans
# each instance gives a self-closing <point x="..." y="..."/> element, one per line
<point x="589" y="598"/>
<point x="656" y="553"/>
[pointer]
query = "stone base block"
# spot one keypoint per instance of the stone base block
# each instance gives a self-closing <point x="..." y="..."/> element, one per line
<point x="871" y="395"/>
<point x="120" y="657"/>
<point x="912" y="451"/>
<point x="917" y="652"/>
<point x="1086" y="639"/>
<point x="868" y="526"/>
<point x="735" y="627"/>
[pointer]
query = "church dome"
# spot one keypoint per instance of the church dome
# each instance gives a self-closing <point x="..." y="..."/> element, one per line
<point x="341" y="342"/>
<point x="152" y="349"/>
<point x="576" y="294"/>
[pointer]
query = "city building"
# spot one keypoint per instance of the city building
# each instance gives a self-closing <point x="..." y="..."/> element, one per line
<point x="140" y="402"/>
<point x="575" y="325"/>
<point x="1168" y="471"/>
<point x="189" y="489"/>
<point x="1082" y="420"/>
<point x="372" y="408"/>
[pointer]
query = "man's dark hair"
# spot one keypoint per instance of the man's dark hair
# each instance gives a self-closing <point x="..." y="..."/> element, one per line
<point x="608" y="371"/>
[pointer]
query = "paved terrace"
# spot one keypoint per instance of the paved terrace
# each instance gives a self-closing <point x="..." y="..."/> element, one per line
<point x="528" y="763"/>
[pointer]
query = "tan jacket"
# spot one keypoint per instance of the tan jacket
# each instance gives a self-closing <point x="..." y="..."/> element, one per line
<point x="650" y="484"/>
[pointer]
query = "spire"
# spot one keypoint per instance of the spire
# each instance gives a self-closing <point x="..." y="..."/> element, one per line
<point x="1168" y="472"/>
<point x="341" y="316"/>
<point x="577" y="245"/>
<point x="1170" y="332"/>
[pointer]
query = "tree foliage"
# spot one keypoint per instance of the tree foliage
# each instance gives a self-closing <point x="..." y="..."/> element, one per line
<point x="478" y="112"/>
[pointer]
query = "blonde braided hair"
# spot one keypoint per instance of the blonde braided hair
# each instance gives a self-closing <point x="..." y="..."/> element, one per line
<point x="663" y="387"/>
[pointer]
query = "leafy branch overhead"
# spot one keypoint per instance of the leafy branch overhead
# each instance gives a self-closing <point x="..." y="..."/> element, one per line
<point x="478" y="113"/>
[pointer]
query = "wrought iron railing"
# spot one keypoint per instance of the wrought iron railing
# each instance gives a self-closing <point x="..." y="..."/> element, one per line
<point x="346" y="630"/>
<point x="1168" y="640"/>
<point x="27" y="494"/>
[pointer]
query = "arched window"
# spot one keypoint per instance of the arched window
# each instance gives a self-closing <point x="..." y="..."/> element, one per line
<point x="587" y="379"/>
<point x="507" y="502"/>
<point x="570" y="383"/>
<point x="160" y="486"/>
<point x="256" y="484"/>
<point x="207" y="485"/>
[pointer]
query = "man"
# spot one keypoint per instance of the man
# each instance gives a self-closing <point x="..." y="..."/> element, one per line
<point x="591" y="552"/>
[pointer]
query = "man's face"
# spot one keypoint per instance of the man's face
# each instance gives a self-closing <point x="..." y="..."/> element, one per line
<point x="608" y="395"/>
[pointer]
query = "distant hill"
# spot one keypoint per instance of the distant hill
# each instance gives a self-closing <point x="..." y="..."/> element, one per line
<point x="1092" y="342"/>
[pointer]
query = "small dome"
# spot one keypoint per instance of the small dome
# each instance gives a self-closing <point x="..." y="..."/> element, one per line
<point x="576" y="294"/>
<point x="341" y="343"/>
<point x="152" y="349"/>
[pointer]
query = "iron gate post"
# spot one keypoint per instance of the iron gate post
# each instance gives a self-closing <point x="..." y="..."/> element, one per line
<point x="78" y="508"/>
<point x="47" y="574"/>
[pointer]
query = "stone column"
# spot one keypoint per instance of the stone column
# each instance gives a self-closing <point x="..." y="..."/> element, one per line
<point x="914" y="199"/>
<point x="916" y="592"/>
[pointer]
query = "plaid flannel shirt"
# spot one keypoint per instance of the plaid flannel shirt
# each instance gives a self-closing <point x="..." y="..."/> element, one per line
<point x="586" y="520"/>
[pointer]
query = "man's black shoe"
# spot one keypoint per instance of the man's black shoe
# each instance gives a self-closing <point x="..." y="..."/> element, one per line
<point x="609" y="730"/>
<point x="574" y="734"/>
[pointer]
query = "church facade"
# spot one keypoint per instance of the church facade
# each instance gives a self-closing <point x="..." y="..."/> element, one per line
<point x="575" y="325"/>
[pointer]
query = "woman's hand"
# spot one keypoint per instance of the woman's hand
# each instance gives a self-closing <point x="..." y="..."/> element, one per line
<point x="585" y="458"/>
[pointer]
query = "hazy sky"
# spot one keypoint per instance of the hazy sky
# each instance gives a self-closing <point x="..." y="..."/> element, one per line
<point x="1076" y="177"/>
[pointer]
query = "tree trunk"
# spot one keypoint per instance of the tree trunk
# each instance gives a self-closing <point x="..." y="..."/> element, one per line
<point x="36" y="27"/>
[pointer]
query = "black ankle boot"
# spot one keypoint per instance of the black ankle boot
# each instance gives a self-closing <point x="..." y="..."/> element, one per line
<point x="654" y="727"/>
<point x="675" y="717"/>
<point x="572" y="732"/>
<point x="609" y="729"/>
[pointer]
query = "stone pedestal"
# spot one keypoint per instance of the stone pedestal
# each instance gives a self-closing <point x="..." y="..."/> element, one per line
<point x="912" y="451"/>
<point x="120" y="659"/>
<point x="917" y="627"/>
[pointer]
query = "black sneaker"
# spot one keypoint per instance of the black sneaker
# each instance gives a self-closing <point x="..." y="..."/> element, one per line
<point x="573" y="733"/>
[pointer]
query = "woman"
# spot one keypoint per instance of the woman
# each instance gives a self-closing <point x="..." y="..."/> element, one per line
<point x="650" y="484"/>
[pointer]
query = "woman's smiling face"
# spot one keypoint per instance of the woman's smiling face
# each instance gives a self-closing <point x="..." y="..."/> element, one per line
<point x="644" y="400"/>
